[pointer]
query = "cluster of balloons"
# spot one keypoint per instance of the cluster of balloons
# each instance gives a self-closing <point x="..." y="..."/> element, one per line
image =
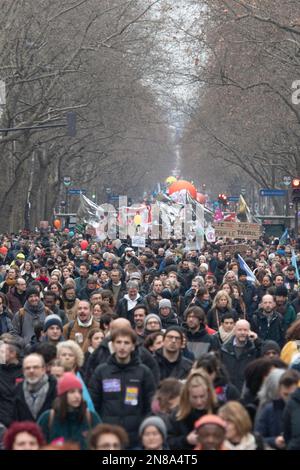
<point x="174" y="186"/>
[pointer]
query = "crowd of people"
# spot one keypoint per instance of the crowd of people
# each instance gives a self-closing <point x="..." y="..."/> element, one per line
<point x="161" y="348"/>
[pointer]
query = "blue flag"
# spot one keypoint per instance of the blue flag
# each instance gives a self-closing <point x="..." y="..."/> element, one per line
<point x="284" y="237"/>
<point x="250" y="276"/>
<point x="294" y="263"/>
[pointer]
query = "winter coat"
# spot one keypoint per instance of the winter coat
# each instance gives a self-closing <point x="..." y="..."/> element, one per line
<point x="273" y="329"/>
<point x="170" y="320"/>
<point x="215" y="316"/>
<point x="102" y="354"/>
<point x="71" y="312"/>
<point x="71" y="429"/>
<point x="21" y="410"/>
<point x="291" y="422"/>
<point x="250" y="297"/>
<point x="122" y="394"/>
<point x="269" y="422"/>
<point x="72" y="328"/>
<point x="26" y="319"/>
<point x="178" y="430"/>
<point x="121" y="293"/>
<point x="10" y="376"/>
<point x="15" y="300"/>
<point x="122" y="309"/>
<point x="235" y="365"/>
<point x="201" y="342"/>
<point x="6" y="325"/>
<point x="178" y="369"/>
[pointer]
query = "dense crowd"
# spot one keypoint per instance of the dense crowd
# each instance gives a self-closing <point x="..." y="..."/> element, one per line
<point x="106" y="347"/>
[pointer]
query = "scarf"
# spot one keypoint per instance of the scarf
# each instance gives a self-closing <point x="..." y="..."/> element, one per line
<point x="248" y="442"/>
<point x="35" y="395"/>
<point x="85" y="325"/>
<point x="225" y="337"/>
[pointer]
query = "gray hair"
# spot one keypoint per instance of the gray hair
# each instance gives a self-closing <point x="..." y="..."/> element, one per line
<point x="132" y="284"/>
<point x="270" y="388"/>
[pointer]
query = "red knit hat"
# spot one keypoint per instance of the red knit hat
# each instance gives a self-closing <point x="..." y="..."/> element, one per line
<point x="210" y="419"/>
<point x="67" y="382"/>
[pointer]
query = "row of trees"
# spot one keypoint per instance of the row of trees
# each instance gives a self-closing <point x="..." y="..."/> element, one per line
<point x="93" y="58"/>
<point x="245" y="56"/>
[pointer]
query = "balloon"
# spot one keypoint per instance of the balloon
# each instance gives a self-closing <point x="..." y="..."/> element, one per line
<point x="182" y="184"/>
<point x="57" y="224"/>
<point x="170" y="180"/>
<point x="201" y="198"/>
<point x="137" y="219"/>
<point x="71" y="234"/>
<point x="84" y="244"/>
<point x="3" y="250"/>
<point x="66" y="230"/>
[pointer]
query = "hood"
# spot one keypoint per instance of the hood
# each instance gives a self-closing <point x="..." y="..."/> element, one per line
<point x="135" y="361"/>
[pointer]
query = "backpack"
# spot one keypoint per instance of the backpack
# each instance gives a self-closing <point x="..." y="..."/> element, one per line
<point x="70" y="328"/>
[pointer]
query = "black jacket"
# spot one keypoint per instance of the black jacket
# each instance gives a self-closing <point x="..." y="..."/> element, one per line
<point x="122" y="291"/>
<point x="178" y="369"/>
<point x="102" y="354"/>
<point x="122" y="309"/>
<point x="269" y="422"/>
<point x="21" y="410"/>
<point x="291" y="422"/>
<point x="122" y="394"/>
<point x="201" y="342"/>
<point x="9" y="375"/>
<point x="235" y="365"/>
<point x="178" y="430"/>
<point x="273" y="330"/>
<point x="215" y="316"/>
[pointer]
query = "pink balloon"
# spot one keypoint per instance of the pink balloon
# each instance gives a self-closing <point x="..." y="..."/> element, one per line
<point x="84" y="244"/>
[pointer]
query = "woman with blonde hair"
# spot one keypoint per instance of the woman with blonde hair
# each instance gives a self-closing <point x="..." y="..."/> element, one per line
<point x="197" y="398"/>
<point x="239" y="434"/>
<point x="71" y="357"/>
<point x="222" y="304"/>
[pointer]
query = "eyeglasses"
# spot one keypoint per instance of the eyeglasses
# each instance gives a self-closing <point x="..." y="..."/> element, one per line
<point x="173" y="338"/>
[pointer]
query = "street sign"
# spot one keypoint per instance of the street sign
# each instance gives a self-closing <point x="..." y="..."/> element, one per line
<point x="67" y="180"/>
<point x="273" y="192"/>
<point x="233" y="198"/>
<point x="76" y="191"/>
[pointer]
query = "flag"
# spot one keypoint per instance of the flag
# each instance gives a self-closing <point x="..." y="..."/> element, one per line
<point x="245" y="267"/>
<point x="294" y="263"/>
<point x="284" y="237"/>
<point x="243" y="212"/>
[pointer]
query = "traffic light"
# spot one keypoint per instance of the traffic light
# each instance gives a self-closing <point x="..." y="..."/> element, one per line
<point x="296" y="189"/>
<point x="222" y="198"/>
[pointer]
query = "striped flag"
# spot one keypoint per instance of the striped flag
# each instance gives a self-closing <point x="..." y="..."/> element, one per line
<point x="250" y="276"/>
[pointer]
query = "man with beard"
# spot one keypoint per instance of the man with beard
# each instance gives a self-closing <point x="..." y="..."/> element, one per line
<point x="70" y="302"/>
<point x="139" y="315"/>
<point x="283" y="307"/>
<point x="27" y="318"/>
<point x="36" y="393"/>
<point x="198" y="340"/>
<point x="267" y="322"/>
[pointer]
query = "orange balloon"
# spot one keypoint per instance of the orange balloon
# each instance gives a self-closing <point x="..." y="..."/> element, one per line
<point x="182" y="184"/>
<point x="201" y="198"/>
<point x="57" y="224"/>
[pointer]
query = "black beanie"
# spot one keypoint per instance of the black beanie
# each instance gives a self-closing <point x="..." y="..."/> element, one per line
<point x="270" y="345"/>
<point x="32" y="291"/>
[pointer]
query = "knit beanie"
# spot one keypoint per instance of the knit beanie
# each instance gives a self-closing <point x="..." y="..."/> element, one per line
<point x="269" y="345"/>
<point x="32" y="291"/>
<point x="164" y="303"/>
<point x="155" y="421"/>
<point x="52" y="320"/>
<point x="152" y="315"/>
<point x="210" y="419"/>
<point x="68" y="382"/>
